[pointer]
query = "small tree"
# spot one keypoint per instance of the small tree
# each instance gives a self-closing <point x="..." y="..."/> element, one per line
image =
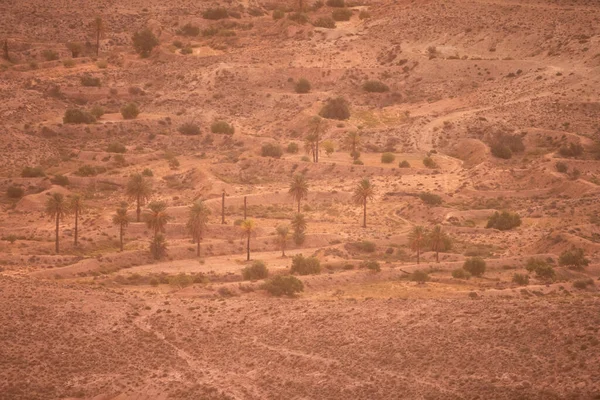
<point x="574" y="258"/>
<point x="77" y="206"/>
<point x="439" y="241"/>
<point x="336" y="108"/>
<point x="139" y="190"/>
<point x="57" y="208"/>
<point x="283" y="285"/>
<point x="416" y="239"/>
<point x="121" y="219"/>
<point x="75" y="48"/>
<point x="98" y="26"/>
<point x="375" y="87"/>
<point x="298" y="188"/>
<point x="388" y="158"/>
<point x="157" y="217"/>
<point x="283" y="232"/>
<point x="475" y="266"/>
<point x="302" y="86"/>
<point x="504" y="221"/>
<point x="353" y="141"/>
<point x="258" y="270"/>
<point x="197" y="222"/>
<point x="248" y="229"/>
<point x="363" y="192"/>
<point x="144" y="42"/>
<point x="305" y="266"/>
<point x="329" y="147"/>
<point x="130" y="111"/>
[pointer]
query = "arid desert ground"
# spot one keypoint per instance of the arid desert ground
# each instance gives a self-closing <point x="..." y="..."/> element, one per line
<point x="251" y="199"/>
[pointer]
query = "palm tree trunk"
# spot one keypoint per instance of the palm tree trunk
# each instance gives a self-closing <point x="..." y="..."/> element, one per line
<point x="298" y="206"/>
<point x="365" y="213"/>
<point x="198" y="247"/>
<point x="248" y="248"/>
<point x="56" y="245"/>
<point x="437" y="256"/>
<point x="121" y="236"/>
<point x="139" y="209"/>
<point x="418" y="255"/>
<point x="223" y="209"/>
<point x="76" y="223"/>
<point x="98" y="41"/>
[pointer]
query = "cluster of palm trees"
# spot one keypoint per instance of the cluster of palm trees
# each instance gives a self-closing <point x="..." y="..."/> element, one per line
<point x="59" y="207"/>
<point x="436" y="240"/>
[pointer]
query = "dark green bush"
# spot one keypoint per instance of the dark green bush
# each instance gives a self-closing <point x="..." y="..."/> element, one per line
<point x="147" y="172"/>
<point x="562" y="167"/>
<point x="302" y="86"/>
<point x="32" y="172"/>
<point x="89" y="170"/>
<point x="375" y="87"/>
<point x="404" y="164"/>
<point x="292" y="148"/>
<point x="336" y="3"/>
<point x="60" y="180"/>
<point x="271" y="150"/>
<point x="336" y="108"/>
<point x="419" y="276"/>
<point x="574" y="258"/>
<point x="364" y="15"/>
<point x="324" y="22"/>
<point x="501" y="151"/>
<point x="583" y="283"/>
<point x="116" y="147"/>
<point x="144" y="41"/>
<point x="341" y="14"/>
<point x="300" y="18"/>
<point x="258" y="270"/>
<point x="187" y="50"/>
<point x="372" y="265"/>
<point x="278" y="14"/>
<point x="571" y="150"/>
<point x="475" y="266"/>
<point x="541" y="268"/>
<point x="189" y="30"/>
<point x="97" y="111"/>
<point x="130" y="111"/>
<point x="305" y="266"/>
<point x="365" y="246"/>
<point x="50" y="55"/>
<point x="461" y="274"/>
<point x="77" y="116"/>
<point x="222" y="127"/>
<point x="189" y="128"/>
<point x="15" y="192"/>
<point x="90" y="81"/>
<point x="281" y="285"/>
<point x="521" y="279"/>
<point x="430" y="163"/>
<point x="430" y="198"/>
<point x="388" y="158"/>
<point x="215" y="13"/>
<point x="504" y="221"/>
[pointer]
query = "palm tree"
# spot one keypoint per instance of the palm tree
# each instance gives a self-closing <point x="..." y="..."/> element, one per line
<point x="416" y="240"/>
<point x="197" y="221"/>
<point x="353" y="141"/>
<point x="283" y="231"/>
<point x="299" y="225"/>
<point x="311" y="144"/>
<point x="158" y="246"/>
<point x="139" y="190"/>
<point x="439" y="241"/>
<point x="298" y="188"/>
<point x="364" y="191"/>
<point x="76" y="205"/>
<point x="157" y="217"/>
<point x="121" y="219"/>
<point x="248" y="228"/>
<point x="98" y="26"/>
<point x="57" y="208"/>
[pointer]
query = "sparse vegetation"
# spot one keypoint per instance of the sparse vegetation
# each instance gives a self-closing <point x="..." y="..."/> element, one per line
<point x="302" y="86"/>
<point x="571" y="150"/>
<point x="305" y="265"/>
<point x="573" y="258"/>
<point x="144" y="41"/>
<point x="541" y="268"/>
<point x="258" y="270"/>
<point x="475" y="266"/>
<point x="341" y="14"/>
<point x="116" y="147"/>
<point x="271" y="150"/>
<point x="324" y="22"/>
<point x="430" y="163"/>
<point x="336" y="108"/>
<point x="130" y="111"/>
<point x="430" y="198"/>
<point x="189" y="128"/>
<point x="521" y="279"/>
<point x="388" y="158"/>
<point x="15" y="192"/>
<point x="78" y="116"/>
<point x="461" y="273"/>
<point x="283" y="285"/>
<point x="32" y="172"/>
<point x="222" y="127"/>
<point x="504" y="221"/>
<point x="375" y="87"/>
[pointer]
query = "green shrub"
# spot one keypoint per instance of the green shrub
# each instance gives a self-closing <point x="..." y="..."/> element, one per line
<point x="419" y="276"/>
<point x="189" y="30"/>
<point x="60" y="180"/>
<point x="97" y="111"/>
<point x="574" y="258"/>
<point x="130" y="111"/>
<point x="116" y="147"/>
<point x="404" y="164"/>
<point x="271" y="150"/>
<point x="222" y="127"/>
<point x="297" y="17"/>
<point x="583" y="283"/>
<point x="571" y="150"/>
<point x="302" y="86"/>
<point x="305" y="266"/>
<point x="336" y="108"/>
<point x="521" y="279"/>
<point x="541" y="268"/>
<point x="504" y="221"/>
<point x="187" y="50"/>
<point x="501" y="151"/>
<point x="215" y="13"/>
<point x="77" y="116"/>
<point x="258" y="270"/>
<point x="181" y="280"/>
<point x="32" y="172"/>
<point x="88" y="170"/>
<point x="461" y="274"/>
<point x="365" y="246"/>
<point x="144" y="42"/>
<point x="324" y="22"/>
<point x="147" y="172"/>
<point x="90" y="81"/>
<point x="341" y="14"/>
<point x="189" y="128"/>
<point x="430" y="198"/>
<point x="430" y="163"/>
<point x="375" y="87"/>
<point x="15" y="192"/>
<point x="278" y="14"/>
<point x="388" y="158"/>
<point x="358" y="162"/>
<point x="281" y="285"/>
<point x="50" y="55"/>
<point x="336" y="3"/>
<point x="561" y="167"/>
<point x="371" y="265"/>
<point x="475" y="266"/>
<point x="292" y="148"/>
